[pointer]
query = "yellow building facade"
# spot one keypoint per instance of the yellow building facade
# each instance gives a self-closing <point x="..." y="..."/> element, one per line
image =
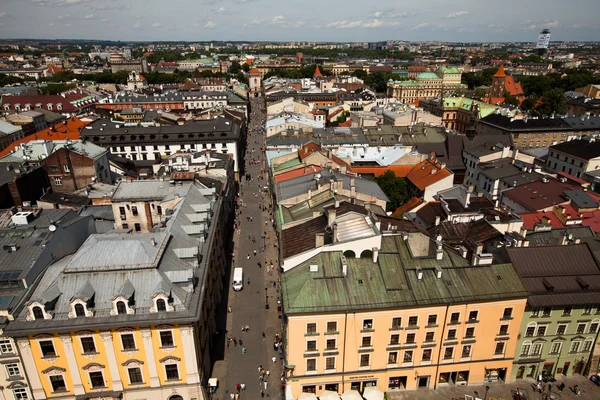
<point x="415" y="315"/>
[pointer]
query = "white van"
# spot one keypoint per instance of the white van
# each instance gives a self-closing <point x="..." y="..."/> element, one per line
<point x="238" y="279"/>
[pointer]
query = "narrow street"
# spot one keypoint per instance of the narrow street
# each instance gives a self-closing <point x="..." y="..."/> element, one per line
<point x="253" y="244"/>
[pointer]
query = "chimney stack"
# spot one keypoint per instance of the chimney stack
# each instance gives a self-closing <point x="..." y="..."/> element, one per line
<point x="330" y="217"/>
<point x="319" y="240"/>
<point x="344" y="265"/>
<point x="375" y="251"/>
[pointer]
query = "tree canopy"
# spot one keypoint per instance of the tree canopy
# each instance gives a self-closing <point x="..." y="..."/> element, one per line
<point x="394" y="188"/>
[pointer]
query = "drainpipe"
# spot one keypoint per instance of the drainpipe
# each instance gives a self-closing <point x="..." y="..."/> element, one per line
<point x="437" y="368"/>
<point x="344" y="352"/>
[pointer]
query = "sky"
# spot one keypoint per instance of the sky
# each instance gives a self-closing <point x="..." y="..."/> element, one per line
<point x="301" y="20"/>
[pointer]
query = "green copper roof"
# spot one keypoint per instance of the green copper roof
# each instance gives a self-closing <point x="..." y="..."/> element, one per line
<point x="392" y="281"/>
<point x="427" y="75"/>
<point x="288" y="164"/>
<point x="449" y="70"/>
<point x="485" y="109"/>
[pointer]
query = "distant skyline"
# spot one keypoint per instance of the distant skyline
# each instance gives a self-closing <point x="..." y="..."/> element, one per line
<point x="308" y="20"/>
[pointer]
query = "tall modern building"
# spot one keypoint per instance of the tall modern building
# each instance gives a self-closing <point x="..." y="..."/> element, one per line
<point x="543" y="41"/>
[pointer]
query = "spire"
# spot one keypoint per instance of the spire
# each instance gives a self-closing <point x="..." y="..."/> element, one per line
<point x="500" y="73"/>
<point x="317" y="73"/>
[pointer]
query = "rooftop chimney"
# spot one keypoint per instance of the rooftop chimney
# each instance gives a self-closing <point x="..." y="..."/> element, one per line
<point x="330" y="216"/>
<point x="375" y="251"/>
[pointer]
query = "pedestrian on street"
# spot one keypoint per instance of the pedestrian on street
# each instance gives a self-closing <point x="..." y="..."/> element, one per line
<point x="266" y="383"/>
<point x="262" y="393"/>
<point x="274" y="359"/>
<point x="264" y="336"/>
<point x="232" y="396"/>
<point x="243" y="350"/>
<point x="235" y="342"/>
<point x="268" y="373"/>
<point x="248" y="281"/>
<point x="229" y="309"/>
<point x="238" y="387"/>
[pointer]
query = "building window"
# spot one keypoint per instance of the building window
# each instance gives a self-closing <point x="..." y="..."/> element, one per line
<point x="159" y="210"/>
<point x="331" y="345"/>
<point x="128" y="341"/>
<point x="393" y="357"/>
<point x="311" y="364"/>
<point x="525" y="349"/>
<point x="546" y="312"/>
<point x="470" y="332"/>
<point x="561" y="329"/>
<point x="121" y="307"/>
<point x="454" y="318"/>
<point x="535" y="312"/>
<point x="536" y="350"/>
<point x="13" y="370"/>
<point x="466" y="351"/>
<point x="408" y="356"/>
<point x="529" y="331"/>
<point x="473" y="316"/>
<point x="587" y="345"/>
<point x="567" y="310"/>
<point x="135" y="375"/>
<point x="366" y="341"/>
<point x="580" y="328"/>
<point x="413" y="321"/>
<point x="499" y="348"/>
<point x="66" y="168"/>
<point x="429" y="337"/>
<point x="503" y="330"/>
<point x="166" y="339"/>
<point x="556" y="348"/>
<point x="20" y="394"/>
<point x="330" y="363"/>
<point x="396" y="323"/>
<point x="96" y="379"/>
<point x="172" y="372"/>
<point x="134" y="210"/>
<point x="311" y="345"/>
<point x="541" y="331"/>
<point x="125" y="226"/>
<point x="58" y="383"/>
<point x="332" y="326"/>
<point x="448" y="353"/>
<point x="395" y="339"/>
<point x="54" y="168"/>
<point x="161" y="305"/>
<point x="6" y="346"/>
<point x="47" y="348"/>
<point x="57" y="181"/>
<point x="138" y="227"/>
<point x="451" y="334"/>
<point x="575" y="347"/>
<point x="311" y="327"/>
<point x="368" y="324"/>
<point x="365" y="360"/>
<point x="88" y="345"/>
<point x="426" y="355"/>
<point x="593" y="327"/>
<point x="432" y="319"/>
<point x="122" y="212"/>
<point x="79" y="310"/>
<point x="410" y="338"/>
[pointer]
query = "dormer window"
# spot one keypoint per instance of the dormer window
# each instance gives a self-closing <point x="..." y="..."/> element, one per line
<point x="161" y="305"/>
<point x="121" y="307"/>
<point x="79" y="310"/>
<point x="59" y="106"/>
<point x="37" y="312"/>
<point x="49" y="106"/>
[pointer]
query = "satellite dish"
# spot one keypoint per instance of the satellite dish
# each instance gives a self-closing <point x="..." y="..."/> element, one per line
<point x="52" y="227"/>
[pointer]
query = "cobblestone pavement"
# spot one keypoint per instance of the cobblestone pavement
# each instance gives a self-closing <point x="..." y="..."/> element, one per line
<point x="261" y="284"/>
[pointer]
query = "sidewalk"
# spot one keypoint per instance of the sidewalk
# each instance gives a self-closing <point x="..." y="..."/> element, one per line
<point x="504" y="391"/>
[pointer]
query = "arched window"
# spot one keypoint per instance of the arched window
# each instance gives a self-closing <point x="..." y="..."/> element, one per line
<point x="79" y="310"/>
<point x="176" y="397"/>
<point x="121" y="308"/>
<point x="161" y="305"/>
<point x="37" y="312"/>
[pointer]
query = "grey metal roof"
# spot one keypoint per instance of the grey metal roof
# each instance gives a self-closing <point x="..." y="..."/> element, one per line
<point x="40" y="149"/>
<point x="296" y="186"/>
<point x="325" y="137"/>
<point x="132" y="266"/>
<point x="143" y="190"/>
<point x="99" y="212"/>
<point x="581" y="199"/>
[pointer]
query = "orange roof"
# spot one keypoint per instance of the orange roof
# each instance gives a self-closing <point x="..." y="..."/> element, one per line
<point x="400" y="170"/>
<point x="317" y="112"/>
<point x="68" y="129"/>
<point x="317" y="72"/>
<point x="300" y="171"/>
<point x="409" y="205"/>
<point x="346" y="123"/>
<point x="500" y="72"/>
<point x="254" y="71"/>
<point x="427" y="173"/>
<point x="514" y="88"/>
<point x="308" y="149"/>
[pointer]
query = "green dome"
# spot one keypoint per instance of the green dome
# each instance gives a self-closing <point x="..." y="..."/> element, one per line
<point x="427" y="75"/>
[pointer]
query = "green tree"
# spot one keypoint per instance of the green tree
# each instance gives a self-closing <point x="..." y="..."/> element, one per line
<point x="9" y="80"/>
<point x="360" y="73"/>
<point x="235" y="68"/>
<point x="509" y="99"/>
<point x="245" y="67"/>
<point x="553" y="101"/>
<point x="394" y="188"/>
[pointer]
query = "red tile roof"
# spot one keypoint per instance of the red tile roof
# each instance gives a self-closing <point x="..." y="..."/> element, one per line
<point x="406" y="207"/>
<point x="44" y="100"/>
<point x="427" y="173"/>
<point x="317" y="72"/>
<point x="514" y="88"/>
<point x="540" y="195"/>
<point x="300" y="171"/>
<point x="308" y="149"/>
<point x="68" y="129"/>
<point x="400" y="170"/>
<point x="254" y="71"/>
<point x="500" y="72"/>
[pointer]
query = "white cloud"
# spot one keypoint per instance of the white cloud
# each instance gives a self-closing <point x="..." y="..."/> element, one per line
<point x="278" y="19"/>
<point x="543" y="25"/>
<point x="89" y="16"/>
<point x="422" y="25"/>
<point x="576" y="26"/>
<point x="210" y="25"/>
<point x="2" y="14"/>
<point x="457" y="14"/>
<point x="389" y="13"/>
<point x="61" y="17"/>
<point x="157" y="24"/>
<point x="137" y="25"/>
<point x="51" y="24"/>
<point x="373" y="23"/>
